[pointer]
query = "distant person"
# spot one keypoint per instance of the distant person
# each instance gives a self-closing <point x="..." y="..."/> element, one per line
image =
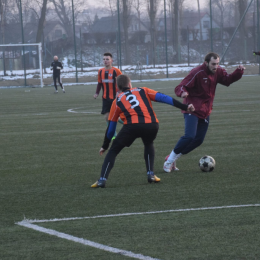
<point x="56" y="66"/>
<point x="140" y="122"/>
<point x="199" y="89"/>
<point x="107" y="81"/>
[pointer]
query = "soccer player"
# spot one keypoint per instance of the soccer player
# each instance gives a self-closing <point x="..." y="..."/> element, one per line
<point x="199" y="89"/>
<point x="140" y="121"/>
<point x="56" y="66"/>
<point x="107" y="81"/>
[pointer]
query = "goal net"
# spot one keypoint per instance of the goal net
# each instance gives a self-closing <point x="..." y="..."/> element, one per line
<point x="21" y="65"/>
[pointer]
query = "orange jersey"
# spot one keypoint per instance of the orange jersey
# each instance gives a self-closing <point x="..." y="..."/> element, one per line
<point x="108" y="80"/>
<point x="135" y="104"/>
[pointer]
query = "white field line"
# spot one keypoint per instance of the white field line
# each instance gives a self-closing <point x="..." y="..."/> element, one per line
<point x="28" y="223"/>
<point x="71" y="110"/>
<point x="136" y="213"/>
<point x="85" y="241"/>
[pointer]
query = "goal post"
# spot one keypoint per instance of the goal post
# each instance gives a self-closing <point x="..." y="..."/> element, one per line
<point x="15" y="58"/>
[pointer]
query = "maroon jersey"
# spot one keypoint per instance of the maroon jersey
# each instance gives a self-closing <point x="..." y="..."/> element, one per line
<point x="201" y="84"/>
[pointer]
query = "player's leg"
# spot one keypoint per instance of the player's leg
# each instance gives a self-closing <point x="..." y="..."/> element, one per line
<point x="202" y="129"/>
<point x="60" y="82"/>
<point x="191" y="123"/>
<point x="55" y="85"/>
<point x="125" y="137"/>
<point x="148" y="135"/>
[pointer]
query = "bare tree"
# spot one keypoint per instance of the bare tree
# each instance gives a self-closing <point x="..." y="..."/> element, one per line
<point x="152" y="8"/>
<point x="3" y="9"/>
<point x="138" y="5"/>
<point x="126" y="22"/>
<point x="242" y="4"/>
<point x="175" y="9"/>
<point x="41" y="21"/>
<point x="63" y="10"/>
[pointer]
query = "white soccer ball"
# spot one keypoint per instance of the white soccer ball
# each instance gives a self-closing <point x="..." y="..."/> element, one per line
<point x="207" y="163"/>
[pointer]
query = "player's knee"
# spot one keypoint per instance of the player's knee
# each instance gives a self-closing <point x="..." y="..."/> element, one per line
<point x="188" y="138"/>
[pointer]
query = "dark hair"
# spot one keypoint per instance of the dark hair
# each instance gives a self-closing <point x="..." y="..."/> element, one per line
<point x="108" y="54"/>
<point x="210" y="55"/>
<point x="123" y="82"/>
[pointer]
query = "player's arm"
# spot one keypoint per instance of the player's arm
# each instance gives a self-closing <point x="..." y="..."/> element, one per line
<point x="99" y="86"/>
<point x="118" y="72"/>
<point x="160" y="97"/>
<point x="61" y="66"/>
<point x="188" y="82"/>
<point x="51" y="66"/>
<point x="112" y="123"/>
<point x="226" y="79"/>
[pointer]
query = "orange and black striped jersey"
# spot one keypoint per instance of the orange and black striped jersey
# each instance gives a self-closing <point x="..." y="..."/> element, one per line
<point x="135" y="104"/>
<point x="108" y="80"/>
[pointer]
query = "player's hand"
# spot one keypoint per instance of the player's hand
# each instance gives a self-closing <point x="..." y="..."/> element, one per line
<point x="241" y="67"/>
<point x="95" y="96"/>
<point x="184" y="94"/>
<point x="190" y="108"/>
<point x="101" y="151"/>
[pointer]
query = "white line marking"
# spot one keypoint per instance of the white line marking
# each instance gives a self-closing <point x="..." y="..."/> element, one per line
<point x="85" y="241"/>
<point x="72" y="111"/>
<point x="28" y="223"/>
<point x="138" y="213"/>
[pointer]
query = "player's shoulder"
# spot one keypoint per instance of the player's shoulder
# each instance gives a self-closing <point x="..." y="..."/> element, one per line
<point x="118" y="71"/>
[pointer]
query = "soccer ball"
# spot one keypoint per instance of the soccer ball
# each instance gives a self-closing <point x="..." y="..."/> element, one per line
<point x="207" y="163"/>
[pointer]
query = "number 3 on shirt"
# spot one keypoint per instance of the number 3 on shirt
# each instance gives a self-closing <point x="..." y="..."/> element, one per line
<point x="132" y="100"/>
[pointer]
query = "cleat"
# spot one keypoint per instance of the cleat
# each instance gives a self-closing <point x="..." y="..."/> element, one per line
<point x="99" y="183"/>
<point x="113" y="138"/>
<point x="56" y="91"/>
<point x="153" y="178"/>
<point x="168" y="167"/>
<point x="63" y="90"/>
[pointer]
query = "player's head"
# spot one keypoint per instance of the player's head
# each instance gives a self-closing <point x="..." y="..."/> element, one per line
<point x="55" y="58"/>
<point x="212" y="61"/>
<point x="107" y="59"/>
<point x="123" y="82"/>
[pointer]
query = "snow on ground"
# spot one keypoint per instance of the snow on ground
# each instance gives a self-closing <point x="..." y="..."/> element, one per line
<point x="69" y="71"/>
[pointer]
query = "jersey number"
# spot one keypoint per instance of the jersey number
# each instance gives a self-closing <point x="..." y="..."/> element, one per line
<point x="132" y="100"/>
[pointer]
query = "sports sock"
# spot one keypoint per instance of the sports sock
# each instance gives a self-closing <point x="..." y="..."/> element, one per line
<point x="173" y="157"/>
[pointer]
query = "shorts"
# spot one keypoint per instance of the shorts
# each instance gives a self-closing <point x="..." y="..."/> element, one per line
<point x="106" y="105"/>
<point x="129" y="132"/>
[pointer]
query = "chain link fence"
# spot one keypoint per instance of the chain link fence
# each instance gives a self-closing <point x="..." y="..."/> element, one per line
<point x="168" y="44"/>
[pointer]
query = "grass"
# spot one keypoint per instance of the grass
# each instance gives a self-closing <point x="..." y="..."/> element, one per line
<point x="49" y="159"/>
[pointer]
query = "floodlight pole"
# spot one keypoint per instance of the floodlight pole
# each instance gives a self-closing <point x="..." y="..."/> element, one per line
<point x="211" y="40"/>
<point x="233" y="36"/>
<point x="119" y="35"/>
<point x="21" y="20"/>
<point x="258" y="32"/>
<point x="74" y="35"/>
<point x="40" y="62"/>
<point x="165" y="37"/>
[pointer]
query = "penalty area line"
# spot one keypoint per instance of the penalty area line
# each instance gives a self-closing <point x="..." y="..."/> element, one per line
<point x="137" y="213"/>
<point x="85" y="241"/>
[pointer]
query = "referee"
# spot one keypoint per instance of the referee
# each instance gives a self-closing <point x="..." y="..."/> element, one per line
<point x="56" y="66"/>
